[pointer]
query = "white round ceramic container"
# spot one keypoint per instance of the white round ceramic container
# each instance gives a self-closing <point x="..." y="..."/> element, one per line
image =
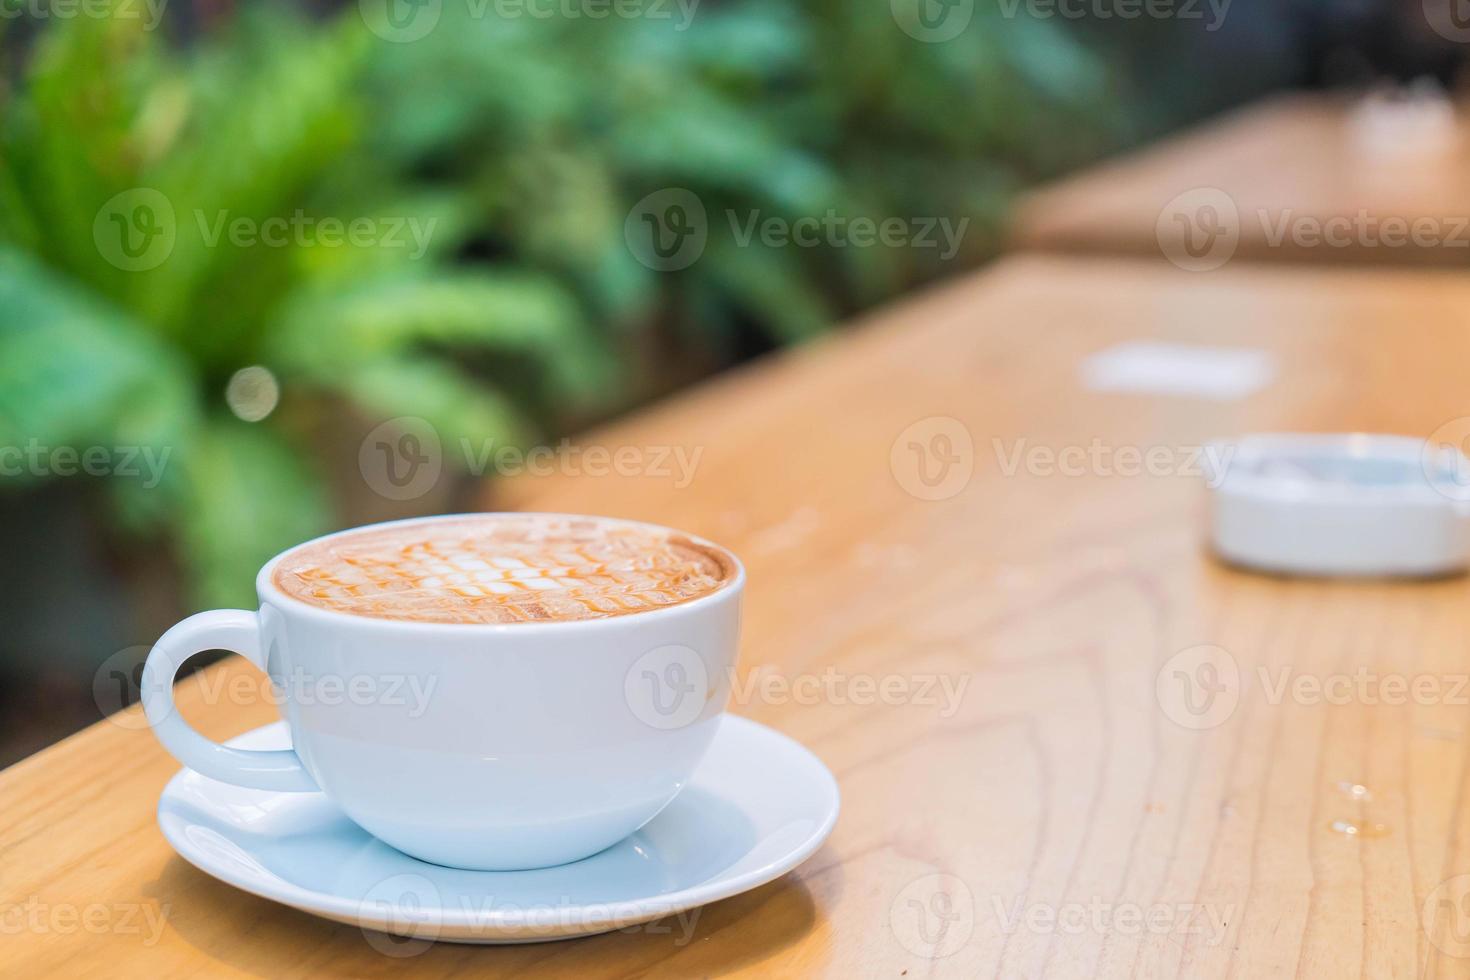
<point x="1348" y="504"/>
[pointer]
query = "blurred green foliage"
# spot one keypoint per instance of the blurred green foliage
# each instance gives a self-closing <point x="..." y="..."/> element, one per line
<point x="522" y="143"/>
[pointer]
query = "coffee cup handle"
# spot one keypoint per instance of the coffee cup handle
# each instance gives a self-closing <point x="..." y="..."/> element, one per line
<point x="237" y="630"/>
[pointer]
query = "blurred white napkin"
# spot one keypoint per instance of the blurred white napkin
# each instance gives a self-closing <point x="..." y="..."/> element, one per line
<point x="1221" y="373"/>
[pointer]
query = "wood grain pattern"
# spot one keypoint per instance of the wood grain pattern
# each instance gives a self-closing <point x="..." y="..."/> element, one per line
<point x="1073" y="826"/>
<point x="1292" y="162"/>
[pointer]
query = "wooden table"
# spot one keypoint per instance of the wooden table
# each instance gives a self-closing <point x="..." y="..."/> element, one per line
<point x="1052" y="815"/>
<point x="1298" y="178"/>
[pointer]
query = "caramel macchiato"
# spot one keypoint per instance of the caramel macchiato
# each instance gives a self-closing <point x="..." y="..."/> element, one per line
<point x="502" y="568"/>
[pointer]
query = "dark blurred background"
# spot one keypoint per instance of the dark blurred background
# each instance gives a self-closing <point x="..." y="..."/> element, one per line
<point x="196" y="362"/>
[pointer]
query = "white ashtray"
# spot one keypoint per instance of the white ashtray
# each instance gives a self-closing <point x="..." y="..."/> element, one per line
<point x="1345" y="505"/>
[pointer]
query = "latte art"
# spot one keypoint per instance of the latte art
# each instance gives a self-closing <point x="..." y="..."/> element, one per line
<point x="502" y="568"/>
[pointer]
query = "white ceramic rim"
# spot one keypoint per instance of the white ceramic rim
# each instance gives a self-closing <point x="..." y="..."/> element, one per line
<point x="267" y="591"/>
<point x="1286" y="491"/>
<point x="617" y="914"/>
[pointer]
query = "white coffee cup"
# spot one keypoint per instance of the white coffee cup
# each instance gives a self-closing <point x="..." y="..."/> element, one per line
<point x="488" y="747"/>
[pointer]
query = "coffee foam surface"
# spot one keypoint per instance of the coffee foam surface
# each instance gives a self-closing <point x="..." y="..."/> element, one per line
<point x="502" y="568"/>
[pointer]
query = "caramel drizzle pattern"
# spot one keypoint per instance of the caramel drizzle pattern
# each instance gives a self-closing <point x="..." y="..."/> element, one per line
<point x="594" y="581"/>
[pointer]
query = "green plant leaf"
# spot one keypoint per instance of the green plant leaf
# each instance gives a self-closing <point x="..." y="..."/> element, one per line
<point x="372" y="322"/>
<point x="267" y="118"/>
<point x="465" y="414"/>
<point x="76" y="371"/>
<point x="248" y="496"/>
<point x="769" y="284"/>
<point x="68" y="139"/>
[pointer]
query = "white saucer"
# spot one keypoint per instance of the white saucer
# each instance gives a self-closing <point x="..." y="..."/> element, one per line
<point x="757" y="806"/>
